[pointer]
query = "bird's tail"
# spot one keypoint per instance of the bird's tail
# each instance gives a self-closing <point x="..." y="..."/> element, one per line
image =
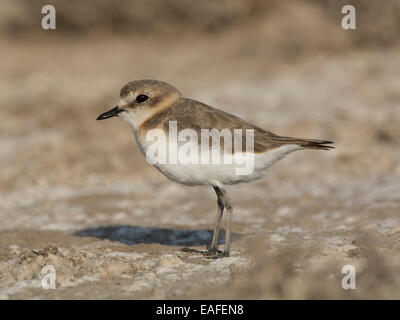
<point x="305" y="143"/>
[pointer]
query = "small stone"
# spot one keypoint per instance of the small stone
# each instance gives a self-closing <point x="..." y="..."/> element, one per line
<point x="395" y="230"/>
<point x="338" y="243"/>
<point x="276" y="238"/>
<point x="15" y="249"/>
<point x="63" y="251"/>
<point x="117" y="268"/>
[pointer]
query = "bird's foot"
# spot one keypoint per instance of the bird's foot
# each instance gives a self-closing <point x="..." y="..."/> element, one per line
<point x="209" y="254"/>
<point x="214" y="253"/>
<point x="191" y="250"/>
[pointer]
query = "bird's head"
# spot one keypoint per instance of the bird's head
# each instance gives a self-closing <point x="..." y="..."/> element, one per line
<point x="141" y="99"/>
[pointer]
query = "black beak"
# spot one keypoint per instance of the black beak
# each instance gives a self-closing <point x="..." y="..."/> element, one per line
<point x="110" y="113"/>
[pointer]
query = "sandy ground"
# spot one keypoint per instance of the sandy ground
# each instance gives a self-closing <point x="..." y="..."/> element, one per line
<point x="78" y="195"/>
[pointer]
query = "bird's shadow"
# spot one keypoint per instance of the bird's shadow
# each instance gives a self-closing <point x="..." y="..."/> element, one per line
<point x="132" y="235"/>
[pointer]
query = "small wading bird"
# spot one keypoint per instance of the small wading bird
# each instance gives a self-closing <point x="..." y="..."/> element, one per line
<point x="152" y="104"/>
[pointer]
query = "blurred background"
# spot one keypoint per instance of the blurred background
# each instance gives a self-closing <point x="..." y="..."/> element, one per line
<point x="78" y="194"/>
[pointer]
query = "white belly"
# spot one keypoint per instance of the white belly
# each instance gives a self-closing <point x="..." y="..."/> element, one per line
<point x="237" y="170"/>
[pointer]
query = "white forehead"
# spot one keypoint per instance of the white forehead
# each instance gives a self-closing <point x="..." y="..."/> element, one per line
<point x="127" y="99"/>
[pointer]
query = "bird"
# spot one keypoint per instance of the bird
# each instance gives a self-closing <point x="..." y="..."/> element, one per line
<point x="151" y="106"/>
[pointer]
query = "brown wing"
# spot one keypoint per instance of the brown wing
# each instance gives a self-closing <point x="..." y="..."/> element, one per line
<point x="196" y="115"/>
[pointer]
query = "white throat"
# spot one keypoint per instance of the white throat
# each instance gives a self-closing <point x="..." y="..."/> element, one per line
<point x="137" y="117"/>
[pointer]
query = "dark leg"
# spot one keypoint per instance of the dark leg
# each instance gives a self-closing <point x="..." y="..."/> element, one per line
<point x="224" y="201"/>
<point x="227" y="200"/>
<point x="220" y="211"/>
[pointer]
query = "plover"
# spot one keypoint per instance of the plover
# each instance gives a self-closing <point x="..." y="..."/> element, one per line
<point x="151" y="104"/>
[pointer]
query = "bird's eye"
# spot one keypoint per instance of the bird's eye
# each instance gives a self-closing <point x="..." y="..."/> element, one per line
<point x="141" y="98"/>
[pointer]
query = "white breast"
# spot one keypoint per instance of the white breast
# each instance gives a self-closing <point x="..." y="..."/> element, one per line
<point x="222" y="173"/>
